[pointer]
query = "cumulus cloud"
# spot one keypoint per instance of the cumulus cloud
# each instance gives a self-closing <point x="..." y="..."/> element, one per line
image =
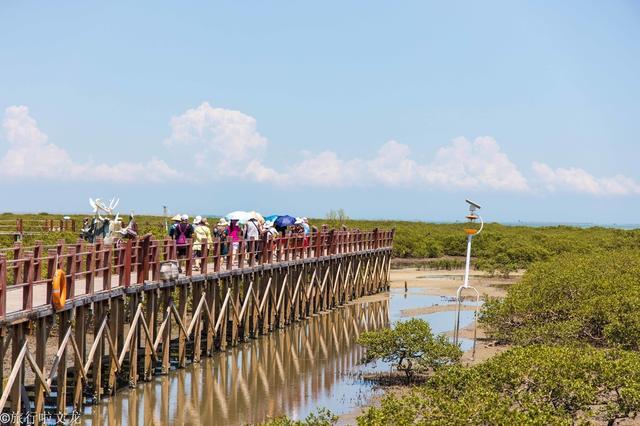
<point x="578" y="180"/>
<point x="477" y="164"/>
<point x="224" y="143"/>
<point x="223" y="140"/>
<point x="461" y="164"/>
<point x="31" y="155"/>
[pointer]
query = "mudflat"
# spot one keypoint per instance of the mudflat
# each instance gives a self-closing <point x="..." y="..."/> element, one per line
<point x="444" y="283"/>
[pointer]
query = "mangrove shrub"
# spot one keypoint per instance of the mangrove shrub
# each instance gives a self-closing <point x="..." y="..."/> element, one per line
<point x="592" y="297"/>
<point x="410" y="346"/>
<point x="535" y="385"/>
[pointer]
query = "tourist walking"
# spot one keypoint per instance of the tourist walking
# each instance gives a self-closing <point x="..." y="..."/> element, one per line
<point x="201" y="233"/>
<point x="235" y="232"/>
<point x="181" y="233"/>
<point x="253" y="231"/>
<point x="221" y="231"/>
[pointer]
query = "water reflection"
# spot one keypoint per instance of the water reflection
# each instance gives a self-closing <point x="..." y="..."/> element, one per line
<point x="310" y="364"/>
<point x="314" y="363"/>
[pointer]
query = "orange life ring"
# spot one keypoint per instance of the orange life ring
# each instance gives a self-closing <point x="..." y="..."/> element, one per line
<point x="59" y="293"/>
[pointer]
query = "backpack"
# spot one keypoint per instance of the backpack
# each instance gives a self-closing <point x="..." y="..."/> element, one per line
<point x="182" y="234"/>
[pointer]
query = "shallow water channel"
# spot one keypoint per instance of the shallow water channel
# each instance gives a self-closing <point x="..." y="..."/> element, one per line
<point x="315" y="363"/>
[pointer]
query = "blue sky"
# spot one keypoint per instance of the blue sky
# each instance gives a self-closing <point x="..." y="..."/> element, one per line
<point x="385" y="109"/>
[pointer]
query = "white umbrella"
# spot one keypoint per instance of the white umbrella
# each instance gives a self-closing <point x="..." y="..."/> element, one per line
<point x="257" y="216"/>
<point x="239" y="215"/>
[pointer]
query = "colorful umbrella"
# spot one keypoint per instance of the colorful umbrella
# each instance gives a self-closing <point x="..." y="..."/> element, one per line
<point x="283" y="221"/>
<point x="271" y="218"/>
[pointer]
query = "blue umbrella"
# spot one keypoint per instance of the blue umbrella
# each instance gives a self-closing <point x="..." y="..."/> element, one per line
<point x="283" y="221"/>
<point x="271" y="218"/>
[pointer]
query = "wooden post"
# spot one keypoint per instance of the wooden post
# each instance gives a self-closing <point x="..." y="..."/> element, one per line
<point x="204" y="249"/>
<point x="17" y="256"/>
<point x="71" y="271"/>
<point x="3" y="285"/>
<point x="235" y="297"/>
<point x="189" y="260"/>
<point x="210" y="301"/>
<point x="125" y="277"/>
<point x="151" y="318"/>
<point x="17" y="342"/>
<point x="42" y="333"/>
<point x="224" y="288"/>
<point x="96" y="365"/>
<point x="143" y="268"/>
<point x="196" y="298"/>
<point x="63" y="326"/>
<point x="106" y="264"/>
<point x="27" y="292"/>
<point x="80" y="331"/>
<point x="114" y="314"/>
<point x="217" y="259"/>
<point x="37" y="255"/>
<point x="166" y="342"/>
<point x="182" y="339"/>
<point x="135" y="341"/>
<point x="230" y="253"/>
<point x="241" y="253"/>
<point x="91" y="269"/>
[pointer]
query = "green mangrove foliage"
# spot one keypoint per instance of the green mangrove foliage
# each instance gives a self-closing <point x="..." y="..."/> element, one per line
<point x="535" y="385"/>
<point x="410" y="346"/>
<point x="594" y="298"/>
<point x="321" y="417"/>
<point x="499" y="249"/>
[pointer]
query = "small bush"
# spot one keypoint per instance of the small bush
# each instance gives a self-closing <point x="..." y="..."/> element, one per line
<point x="322" y="417"/>
<point x="410" y="346"/>
<point x="447" y="264"/>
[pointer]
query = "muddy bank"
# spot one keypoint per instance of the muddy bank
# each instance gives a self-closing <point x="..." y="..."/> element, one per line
<point x="444" y="285"/>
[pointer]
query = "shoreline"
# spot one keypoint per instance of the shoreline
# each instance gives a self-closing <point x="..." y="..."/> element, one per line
<point x="441" y="283"/>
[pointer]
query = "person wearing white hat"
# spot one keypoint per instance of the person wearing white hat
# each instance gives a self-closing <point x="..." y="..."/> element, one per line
<point x="201" y="233"/>
<point x="176" y="221"/>
<point x="221" y="231"/>
<point x="181" y="233"/>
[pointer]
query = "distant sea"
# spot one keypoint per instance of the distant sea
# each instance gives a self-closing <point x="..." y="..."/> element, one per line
<point x="576" y="224"/>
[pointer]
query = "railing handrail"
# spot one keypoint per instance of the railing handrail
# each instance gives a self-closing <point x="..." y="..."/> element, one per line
<point x="142" y="258"/>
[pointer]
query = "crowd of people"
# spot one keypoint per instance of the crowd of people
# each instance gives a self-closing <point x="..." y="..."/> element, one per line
<point x="230" y="231"/>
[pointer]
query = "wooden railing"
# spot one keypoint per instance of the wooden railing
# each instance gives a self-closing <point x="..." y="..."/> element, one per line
<point x="94" y="268"/>
<point x="21" y="226"/>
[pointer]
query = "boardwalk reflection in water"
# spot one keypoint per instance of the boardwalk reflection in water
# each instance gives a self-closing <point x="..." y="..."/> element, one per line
<point x="293" y="371"/>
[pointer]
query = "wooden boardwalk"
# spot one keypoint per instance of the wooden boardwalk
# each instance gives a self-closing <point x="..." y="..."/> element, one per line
<point x="122" y="323"/>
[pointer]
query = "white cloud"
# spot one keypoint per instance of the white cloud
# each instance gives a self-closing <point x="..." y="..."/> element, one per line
<point x="578" y="180"/>
<point x="392" y="165"/>
<point x="223" y="140"/>
<point x="477" y="164"/>
<point x="462" y="164"/>
<point x="226" y="143"/>
<point x="31" y="155"/>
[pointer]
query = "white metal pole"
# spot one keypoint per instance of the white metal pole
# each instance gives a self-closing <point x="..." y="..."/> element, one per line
<point x="468" y="262"/>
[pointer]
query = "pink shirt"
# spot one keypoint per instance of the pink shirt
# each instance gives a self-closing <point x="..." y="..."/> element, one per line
<point x="234" y="233"/>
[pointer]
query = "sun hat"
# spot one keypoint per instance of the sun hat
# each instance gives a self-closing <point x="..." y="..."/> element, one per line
<point x="176" y="218"/>
<point x="197" y="220"/>
<point x="298" y="221"/>
<point x="223" y="222"/>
